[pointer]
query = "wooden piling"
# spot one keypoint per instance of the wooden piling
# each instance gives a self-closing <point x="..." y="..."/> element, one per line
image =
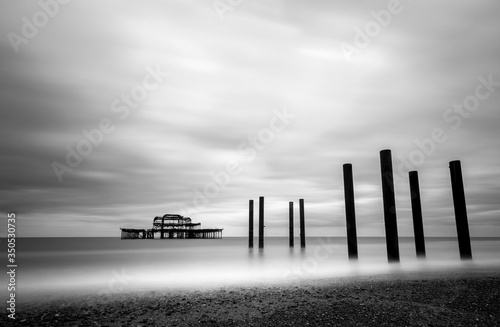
<point x="162" y="235"/>
<point x="416" y="208"/>
<point x="352" y="243"/>
<point x="391" y="229"/>
<point x="250" y="224"/>
<point x="457" y="186"/>
<point x="290" y="223"/>
<point x="261" y="222"/>
<point x="302" y="224"/>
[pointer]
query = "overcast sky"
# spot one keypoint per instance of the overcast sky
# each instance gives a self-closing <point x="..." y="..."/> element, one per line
<point x="277" y="94"/>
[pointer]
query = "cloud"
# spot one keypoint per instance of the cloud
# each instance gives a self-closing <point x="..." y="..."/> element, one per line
<point x="225" y="80"/>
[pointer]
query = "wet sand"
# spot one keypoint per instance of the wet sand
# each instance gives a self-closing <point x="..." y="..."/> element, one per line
<point x="409" y="299"/>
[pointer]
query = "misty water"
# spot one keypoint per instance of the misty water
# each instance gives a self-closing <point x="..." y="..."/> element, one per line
<point x="111" y="265"/>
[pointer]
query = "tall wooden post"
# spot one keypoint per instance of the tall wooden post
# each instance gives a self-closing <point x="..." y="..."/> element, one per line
<point x="391" y="228"/>
<point x="290" y="223"/>
<point x="302" y="224"/>
<point x="250" y="224"/>
<point x="457" y="186"/>
<point x="416" y="209"/>
<point x="350" y="215"/>
<point x="261" y="222"/>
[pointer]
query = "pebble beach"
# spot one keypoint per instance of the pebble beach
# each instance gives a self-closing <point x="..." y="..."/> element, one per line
<point x="419" y="299"/>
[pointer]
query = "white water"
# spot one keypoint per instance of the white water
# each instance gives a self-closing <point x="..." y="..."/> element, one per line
<point x="110" y="265"/>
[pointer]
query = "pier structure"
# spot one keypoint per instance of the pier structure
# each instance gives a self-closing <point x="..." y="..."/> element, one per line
<point x="290" y="224"/>
<point x="250" y="223"/>
<point x="389" y="201"/>
<point x="389" y="212"/>
<point x="350" y="212"/>
<point x="261" y="222"/>
<point x="457" y="187"/>
<point x="302" y="224"/>
<point x="416" y="207"/>
<point x="172" y="226"/>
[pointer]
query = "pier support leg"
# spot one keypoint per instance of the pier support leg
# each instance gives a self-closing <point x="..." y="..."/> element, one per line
<point x="261" y="222"/>
<point x="457" y="186"/>
<point x="250" y="224"/>
<point x="350" y="215"/>
<point x="416" y="208"/>
<point x="162" y="235"/>
<point x="302" y="224"/>
<point x="391" y="228"/>
<point x="290" y="223"/>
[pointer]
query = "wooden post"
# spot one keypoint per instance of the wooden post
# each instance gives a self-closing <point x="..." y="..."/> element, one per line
<point x="350" y="215"/>
<point x="162" y="235"/>
<point x="261" y="222"/>
<point x="457" y="186"/>
<point x="302" y="224"/>
<point x="250" y="224"/>
<point x="290" y="223"/>
<point x="391" y="228"/>
<point x="416" y="208"/>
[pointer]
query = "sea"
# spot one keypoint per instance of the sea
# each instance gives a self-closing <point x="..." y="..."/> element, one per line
<point x="107" y="266"/>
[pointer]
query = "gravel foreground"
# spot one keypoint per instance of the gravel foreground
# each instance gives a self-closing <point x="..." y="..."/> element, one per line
<point x="444" y="299"/>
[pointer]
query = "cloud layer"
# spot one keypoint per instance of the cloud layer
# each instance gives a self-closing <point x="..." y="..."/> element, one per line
<point x="217" y="107"/>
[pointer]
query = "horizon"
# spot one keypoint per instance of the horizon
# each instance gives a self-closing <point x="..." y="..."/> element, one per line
<point x="183" y="108"/>
<point x="270" y="237"/>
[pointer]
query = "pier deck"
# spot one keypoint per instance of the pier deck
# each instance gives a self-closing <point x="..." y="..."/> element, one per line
<point x="172" y="226"/>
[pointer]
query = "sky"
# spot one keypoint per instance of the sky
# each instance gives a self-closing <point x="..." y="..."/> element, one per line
<point x="114" y="112"/>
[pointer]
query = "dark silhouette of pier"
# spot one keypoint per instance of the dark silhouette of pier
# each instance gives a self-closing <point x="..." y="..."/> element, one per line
<point x="302" y="224"/>
<point x="172" y="226"/>
<point x="350" y="213"/>
<point x="250" y="224"/>
<point x="389" y="209"/>
<point x="389" y="199"/>
<point x="416" y="209"/>
<point x="290" y="223"/>
<point x="261" y="222"/>
<point x="457" y="186"/>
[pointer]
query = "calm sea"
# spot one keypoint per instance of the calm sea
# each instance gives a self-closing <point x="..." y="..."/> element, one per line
<point x="111" y="265"/>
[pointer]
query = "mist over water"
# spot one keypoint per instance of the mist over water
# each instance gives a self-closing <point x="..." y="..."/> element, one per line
<point x="111" y="265"/>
